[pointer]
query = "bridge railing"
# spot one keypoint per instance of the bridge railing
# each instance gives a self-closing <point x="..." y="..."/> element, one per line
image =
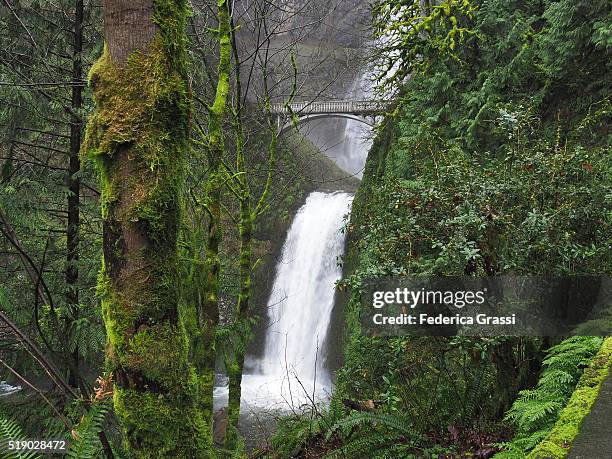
<point x="355" y="107"/>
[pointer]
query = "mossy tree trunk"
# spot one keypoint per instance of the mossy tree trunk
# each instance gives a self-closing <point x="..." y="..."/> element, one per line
<point x="235" y="359"/>
<point x="216" y="153"/>
<point x="204" y="348"/>
<point x="242" y="314"/>
<point x="139" y="137"/>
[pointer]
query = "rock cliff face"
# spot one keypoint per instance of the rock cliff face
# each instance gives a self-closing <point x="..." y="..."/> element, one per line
<point x="327" y="38"/>
<point x="340" y="23"/>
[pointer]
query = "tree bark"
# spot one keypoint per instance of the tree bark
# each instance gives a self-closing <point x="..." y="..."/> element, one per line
<point x="208" y="313"/>
<point x="128" y="26"/>
<point x="138" y="138"/>
<point x="74" y="187"/>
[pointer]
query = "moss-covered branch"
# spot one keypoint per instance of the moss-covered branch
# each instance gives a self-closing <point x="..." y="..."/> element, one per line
<point x="216" y="150"/>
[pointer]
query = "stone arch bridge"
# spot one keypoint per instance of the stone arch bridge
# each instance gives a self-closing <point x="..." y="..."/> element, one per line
<point x="364" y="111"/>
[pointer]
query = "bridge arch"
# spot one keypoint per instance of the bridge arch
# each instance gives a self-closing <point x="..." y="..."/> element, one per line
<point x="307" y="118"/>
<point x="363" y="111"/>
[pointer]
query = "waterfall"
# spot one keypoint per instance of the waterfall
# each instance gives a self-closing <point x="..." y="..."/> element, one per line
<point x="356" y="135"/>
<point x="292" y="369"/>
<point x="302" y="297"/>
<point x="346" y="142"/>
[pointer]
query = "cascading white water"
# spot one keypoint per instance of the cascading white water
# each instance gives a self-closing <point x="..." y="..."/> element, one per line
<point x="7" y="389"/>
<point x="356" y="134"/>
<point x="291" y="371"/>
<point x="302" y="297"/>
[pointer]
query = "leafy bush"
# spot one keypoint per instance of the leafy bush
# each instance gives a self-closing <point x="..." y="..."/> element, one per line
<point x="496" y="161"/>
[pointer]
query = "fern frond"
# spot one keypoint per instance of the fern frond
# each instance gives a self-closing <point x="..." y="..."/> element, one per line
<point x="355" y="419"/>
<point x="371" y="444"/>
<point x="477" y="389"/>
<point x="535" y="411"/>
<point x="86" y="444"/>
<point x="381" y="435"/>
<point x="538" y="413"/>
<point x="11" y="431"/>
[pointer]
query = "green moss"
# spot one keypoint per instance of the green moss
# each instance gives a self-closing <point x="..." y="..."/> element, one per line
<point x="141" y="108"/>
<point x="159" y="423"/>
<point x="138" y="139"/>
<point x="168" y="346"/>
<point x="116" y="319"/>
<point x="559" y="441"/>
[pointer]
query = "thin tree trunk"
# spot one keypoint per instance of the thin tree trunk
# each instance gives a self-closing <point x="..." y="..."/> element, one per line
<point x="139" y="137"/>
<point x="248" y="216"/>
<point x="235" y="361"/>
<point x="208" y="315"/>
<point x="236" y="365"/>
<point x="216" y="151"/>
<point x="74" y="187"/>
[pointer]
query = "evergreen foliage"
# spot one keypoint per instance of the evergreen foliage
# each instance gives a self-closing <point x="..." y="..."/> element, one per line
<point x="37" y="121"/>
<point x="496" y="160"/>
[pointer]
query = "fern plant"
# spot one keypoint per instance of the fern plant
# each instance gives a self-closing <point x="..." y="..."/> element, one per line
<point x="293" y="432"/>
<point x="11" y="431"/>
<point x="86" y="443"/>
<point x="535" y="411"/>
<point x="380" y="436"/>
<point x="477" y="389"/>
